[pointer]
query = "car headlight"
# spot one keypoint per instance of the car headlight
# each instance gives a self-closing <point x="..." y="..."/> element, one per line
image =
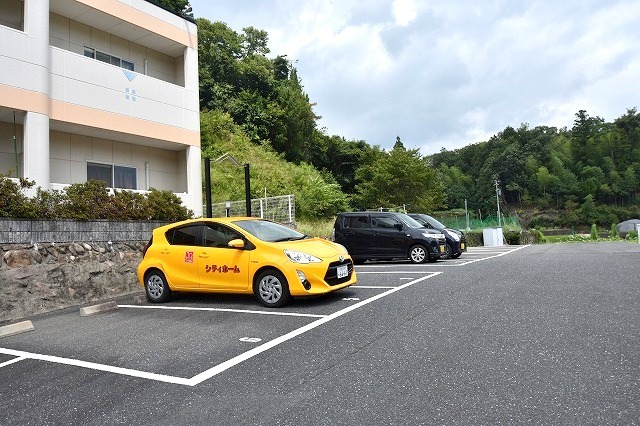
<point x="454" y="235"/>
<point x="300" y="257"/>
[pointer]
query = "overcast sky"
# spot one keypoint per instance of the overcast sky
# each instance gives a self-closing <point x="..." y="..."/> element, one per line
<point x="449" y="73"/>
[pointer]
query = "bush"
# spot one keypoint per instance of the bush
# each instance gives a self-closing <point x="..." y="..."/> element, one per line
<point x="13" y="203"/>
<point x="474" y="239"/>
<point x="614" y="231"/>
<point x="512" y="237"/>
<point x="165" y="205"/>
<point x="594" y="232"/>
<point x="538" y="236"/>
<point x="87" y="201"/>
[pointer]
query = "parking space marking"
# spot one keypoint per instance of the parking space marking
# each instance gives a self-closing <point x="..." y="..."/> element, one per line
<point x="11" y="361"/>
<point x="494" y="256"/>
<point x="211" y="372"/>
<point x="99" y="367"/>
<point x="205" y="375"/>
<point x="448" y="263"/>
<point x="241" y="311"/>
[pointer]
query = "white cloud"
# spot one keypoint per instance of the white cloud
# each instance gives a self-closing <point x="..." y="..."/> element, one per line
<point x="450" y="73"/>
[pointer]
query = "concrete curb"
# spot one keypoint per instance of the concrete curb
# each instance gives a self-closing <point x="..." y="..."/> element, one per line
<point x="97" y="309"/>
<point x="17" y="328"/>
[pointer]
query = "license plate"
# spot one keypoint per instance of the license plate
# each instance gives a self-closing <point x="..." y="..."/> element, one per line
<point x="442" y="249"/>
<point x="343" y="271"/>
<point x="462" y="246"/>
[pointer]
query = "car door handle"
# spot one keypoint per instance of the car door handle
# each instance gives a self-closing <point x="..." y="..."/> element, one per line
<point x="203" y="255"/>
<point x="165" y="251"/>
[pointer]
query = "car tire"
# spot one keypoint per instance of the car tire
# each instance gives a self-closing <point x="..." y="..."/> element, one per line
<point x="418" y="254"/>
<point x="455" y="255"/>
<point x="156" y="287"/>
<point x="448" y="252"/>
<point x="272" y="289"/>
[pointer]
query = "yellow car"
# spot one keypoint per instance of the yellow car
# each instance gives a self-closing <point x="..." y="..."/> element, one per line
<point x="242" y="255"/>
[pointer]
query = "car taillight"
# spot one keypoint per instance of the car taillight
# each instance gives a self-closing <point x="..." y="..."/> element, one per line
<point x="146" y="247"/>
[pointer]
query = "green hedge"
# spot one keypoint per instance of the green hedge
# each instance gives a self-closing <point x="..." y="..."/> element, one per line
<point x="88" y="201"/>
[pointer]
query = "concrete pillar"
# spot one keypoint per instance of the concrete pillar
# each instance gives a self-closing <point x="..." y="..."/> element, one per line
<point x="36" y="149"/>
<point x="36" y="125"/>
<point x="194" y="179"/>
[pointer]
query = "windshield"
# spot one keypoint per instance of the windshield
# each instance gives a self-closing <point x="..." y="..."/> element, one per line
<point x="409" y="221"/>
<point x="269" y="231"/>
<point x="435" y="223"/>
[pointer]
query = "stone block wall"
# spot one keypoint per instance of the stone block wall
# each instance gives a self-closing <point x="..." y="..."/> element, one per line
<point x="41" y="277"/>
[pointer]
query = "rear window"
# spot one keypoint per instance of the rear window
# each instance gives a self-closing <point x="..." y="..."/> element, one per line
<point x="184" y="236"/>
<point x="355" y="221"/>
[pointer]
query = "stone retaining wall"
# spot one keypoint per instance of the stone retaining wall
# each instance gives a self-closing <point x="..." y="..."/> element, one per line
<point x="43" y="277"/>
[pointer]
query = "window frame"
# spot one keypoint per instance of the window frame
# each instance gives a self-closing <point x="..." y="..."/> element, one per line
<point x="112" y="167"/>
<point x="114" y="60"/>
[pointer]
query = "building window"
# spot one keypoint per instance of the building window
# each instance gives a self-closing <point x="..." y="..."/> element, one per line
<point x="90" y="52"/>
<point x="121" y="177"/>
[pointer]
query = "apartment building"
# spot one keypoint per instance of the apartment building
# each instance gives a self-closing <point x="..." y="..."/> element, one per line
<point x="100" y="89"/>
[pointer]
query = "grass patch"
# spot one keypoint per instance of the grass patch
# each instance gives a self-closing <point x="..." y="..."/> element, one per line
<point x="319" y="228"/>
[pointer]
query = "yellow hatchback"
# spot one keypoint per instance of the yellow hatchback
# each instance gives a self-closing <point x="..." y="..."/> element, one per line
<point x="242" y="255"/>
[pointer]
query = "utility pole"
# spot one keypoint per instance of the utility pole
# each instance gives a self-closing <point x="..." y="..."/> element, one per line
<point x="466" y="214"/>
<point x="497" y="184"/>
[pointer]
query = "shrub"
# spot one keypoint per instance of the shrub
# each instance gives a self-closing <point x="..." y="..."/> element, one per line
<point x="13" y="203"/>
<point x="614" y="231"/>
<point x="512" y="237"/>
<point x="594" y="232"/>
<point x="165" y="205"/>
<point x="87" y="201"/>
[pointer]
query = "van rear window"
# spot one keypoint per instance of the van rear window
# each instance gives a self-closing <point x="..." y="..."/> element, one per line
<point x="355" y="222"/>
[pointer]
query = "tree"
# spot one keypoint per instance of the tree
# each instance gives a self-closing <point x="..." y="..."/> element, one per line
<point x="181" y="7"/>
<point x="400" y="177"/>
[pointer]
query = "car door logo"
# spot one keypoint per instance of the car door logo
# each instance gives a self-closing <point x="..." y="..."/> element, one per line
<point x="188" y="257"/>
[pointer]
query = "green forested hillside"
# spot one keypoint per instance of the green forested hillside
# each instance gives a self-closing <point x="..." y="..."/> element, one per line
<point x="255" y="108"/>
<point x="583" y="175"/>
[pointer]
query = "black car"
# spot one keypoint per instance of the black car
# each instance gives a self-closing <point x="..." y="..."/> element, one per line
<point x="456" y="241"/>
<point x="386" y="236"/>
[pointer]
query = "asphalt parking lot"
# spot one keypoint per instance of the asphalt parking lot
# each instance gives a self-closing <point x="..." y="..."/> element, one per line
<point x="542" y="334"/>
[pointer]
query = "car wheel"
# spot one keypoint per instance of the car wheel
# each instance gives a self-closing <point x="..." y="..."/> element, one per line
<point x="455" y="255"/>
<point x="156" y="287"/>
<point x="271" y="289"/>
<point x="448" y="250"/>
<point x="418" y="254"/>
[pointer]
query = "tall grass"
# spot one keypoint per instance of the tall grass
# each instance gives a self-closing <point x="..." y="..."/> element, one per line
<point x="320" y="228"/>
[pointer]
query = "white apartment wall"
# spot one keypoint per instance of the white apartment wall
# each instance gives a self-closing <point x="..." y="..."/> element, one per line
<point x="70" y="153"/>
<point x="79" y="80"/>
<point x="74" y="36"/>
<point x="46" y="78"/>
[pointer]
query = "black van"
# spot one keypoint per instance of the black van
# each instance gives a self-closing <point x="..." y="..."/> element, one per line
<point x="456" y="241"/>
<point x="385" y="236"/>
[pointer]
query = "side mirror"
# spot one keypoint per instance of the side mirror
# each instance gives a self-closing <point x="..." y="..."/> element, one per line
<point x="398" y="226"/>
<point x="237" y="243"/>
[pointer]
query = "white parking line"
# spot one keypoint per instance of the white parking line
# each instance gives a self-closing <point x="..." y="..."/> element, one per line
<point x="242" y="311"/>
<point x="497" y="255"/>
<point x="207" y="374"/>
<point x="449" y="263"/>
<point x="4" y="364"/>
<point x="99" y="367"/>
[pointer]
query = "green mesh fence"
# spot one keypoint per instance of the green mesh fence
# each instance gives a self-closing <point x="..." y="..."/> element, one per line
<point x="459" y="222"/>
